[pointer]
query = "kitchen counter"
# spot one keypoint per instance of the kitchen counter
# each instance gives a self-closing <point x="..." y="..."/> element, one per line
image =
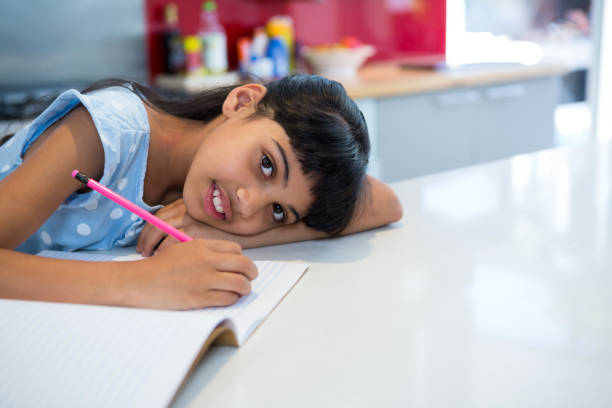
<point x="386" y="79"/>
<point x="424" y="121"/>
<point x="493" y="290"/>
<point x="383" y="79"/>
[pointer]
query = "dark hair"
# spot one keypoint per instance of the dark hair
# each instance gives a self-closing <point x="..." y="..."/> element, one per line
<point x="329" y="135"/>
<point x="326" y="130"/>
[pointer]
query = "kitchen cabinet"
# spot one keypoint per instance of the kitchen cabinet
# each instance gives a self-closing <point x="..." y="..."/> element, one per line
<point x="422" y="133"/>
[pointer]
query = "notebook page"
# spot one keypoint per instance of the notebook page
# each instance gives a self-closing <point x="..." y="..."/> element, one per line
<point x="275" y="278"/>
<point x="72" y="355"/>
<point x="79" y="355"/>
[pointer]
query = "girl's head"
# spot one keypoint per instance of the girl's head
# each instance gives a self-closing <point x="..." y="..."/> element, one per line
<point x="296" y="148"/>
<point x="329" y="136"/>
<point x="305" y="123"/>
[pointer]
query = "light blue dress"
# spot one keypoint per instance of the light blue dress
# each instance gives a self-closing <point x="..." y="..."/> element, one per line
<point x="91" y="221"/>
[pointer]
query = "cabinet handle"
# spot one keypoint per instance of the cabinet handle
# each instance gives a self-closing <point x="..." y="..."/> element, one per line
<point x="505" y="92"/>
<point x="458" y="98"/>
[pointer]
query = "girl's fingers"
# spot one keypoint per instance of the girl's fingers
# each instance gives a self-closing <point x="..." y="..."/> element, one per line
<point x="141" y="238"/>
<point x="147" y="241"/>
<point x="231" y="282"/>
<point x="166" y="242"/>
<point x="174" y="207"/>
<point x="220" y="246"/>
<point x="237" y="264"/>
<point x="151" y="236"/>
<point x="221" y="298"/>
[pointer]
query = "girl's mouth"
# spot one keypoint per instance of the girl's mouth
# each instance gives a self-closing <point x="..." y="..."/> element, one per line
<point x="216" y="203"/>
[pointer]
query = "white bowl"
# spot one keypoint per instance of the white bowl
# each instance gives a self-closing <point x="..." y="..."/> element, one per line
<point x="338" y="62"/>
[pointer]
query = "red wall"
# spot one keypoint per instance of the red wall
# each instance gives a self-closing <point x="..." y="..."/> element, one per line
<point x="398" y="28"/>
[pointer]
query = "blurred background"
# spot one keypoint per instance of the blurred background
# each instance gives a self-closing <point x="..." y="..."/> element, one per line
<point x="443" y="83"/>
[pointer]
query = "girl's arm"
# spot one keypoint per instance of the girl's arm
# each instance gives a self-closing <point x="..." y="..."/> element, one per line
<point x="33" y="191"/>
<point x="191" y="275"/>
<point x="379" y="206"/>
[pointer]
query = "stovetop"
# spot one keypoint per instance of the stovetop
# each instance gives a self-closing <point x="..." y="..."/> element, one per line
<point x="23" y="105"/>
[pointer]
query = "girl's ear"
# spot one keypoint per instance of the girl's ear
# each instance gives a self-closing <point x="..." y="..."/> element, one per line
<point x="243" y="100"/>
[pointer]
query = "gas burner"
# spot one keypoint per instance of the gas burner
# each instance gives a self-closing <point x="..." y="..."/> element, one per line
<point x="24" y="105"/>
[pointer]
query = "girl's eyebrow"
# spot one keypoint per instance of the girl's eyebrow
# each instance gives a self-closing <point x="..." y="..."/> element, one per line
<point x="284" y="156"/>
<point x="286" y="178"/>
<point x="297" y="216"/>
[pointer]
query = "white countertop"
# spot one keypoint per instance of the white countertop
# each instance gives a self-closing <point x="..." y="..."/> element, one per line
<point x="495" y="290"/>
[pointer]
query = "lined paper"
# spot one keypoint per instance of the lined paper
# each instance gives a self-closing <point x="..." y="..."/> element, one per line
<point x="54" y="354"/>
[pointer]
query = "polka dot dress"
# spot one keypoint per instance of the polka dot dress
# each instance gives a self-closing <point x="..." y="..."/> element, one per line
<point x="91" y="221"/>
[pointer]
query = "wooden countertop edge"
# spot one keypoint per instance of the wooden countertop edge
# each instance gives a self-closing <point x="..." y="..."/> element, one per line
<point x="386" y="80"/>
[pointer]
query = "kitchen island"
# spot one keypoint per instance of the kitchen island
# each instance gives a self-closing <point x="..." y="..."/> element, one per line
<point x="387" y="79"/>
<point x="493" y="290"/>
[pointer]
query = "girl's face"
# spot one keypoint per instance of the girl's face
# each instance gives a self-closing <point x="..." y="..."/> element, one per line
<point x="246" y="179"/>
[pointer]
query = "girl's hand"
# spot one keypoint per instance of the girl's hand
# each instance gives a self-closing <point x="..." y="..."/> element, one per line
<point x="150" y="237"/>
<point x="192" y="275"/>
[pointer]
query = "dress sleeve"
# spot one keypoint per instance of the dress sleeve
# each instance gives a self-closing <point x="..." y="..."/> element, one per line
<point x="122" y="124"/>
<point x="121" y="120"/>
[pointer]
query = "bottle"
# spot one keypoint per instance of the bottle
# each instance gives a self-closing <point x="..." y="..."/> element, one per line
<point x="193" y="54"/>
<point x="279" y="54"/>
<point x="282" y="26"/>
<point x="214" y="40"/>
<point x="259" y="44"/>
<point x="263" y="67"/>
<point x="172" y="43"/>
<point x="243" y="47"/>
<point x="259" y="64"/>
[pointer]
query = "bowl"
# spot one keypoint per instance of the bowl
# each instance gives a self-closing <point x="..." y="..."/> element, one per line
<point x="338" y="62"/>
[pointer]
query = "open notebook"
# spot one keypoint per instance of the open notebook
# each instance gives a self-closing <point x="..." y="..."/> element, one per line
<point x="54" y="354"/>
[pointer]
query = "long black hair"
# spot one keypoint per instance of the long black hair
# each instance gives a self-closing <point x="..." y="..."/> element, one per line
<point x="329" y="135"/>
<point x="326" y="129"/>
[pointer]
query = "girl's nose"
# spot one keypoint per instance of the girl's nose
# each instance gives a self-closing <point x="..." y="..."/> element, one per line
<point x="250" y="201"/>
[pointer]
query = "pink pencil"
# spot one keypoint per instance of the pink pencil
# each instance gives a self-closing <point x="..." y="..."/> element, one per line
<point x="145" y="215"/>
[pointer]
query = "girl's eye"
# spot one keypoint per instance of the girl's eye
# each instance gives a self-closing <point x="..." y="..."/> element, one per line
<point x="267" y="167"/>
<point x="278" y="213"/>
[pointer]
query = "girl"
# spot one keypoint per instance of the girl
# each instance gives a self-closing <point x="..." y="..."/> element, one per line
<point x="253" y="164"/>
